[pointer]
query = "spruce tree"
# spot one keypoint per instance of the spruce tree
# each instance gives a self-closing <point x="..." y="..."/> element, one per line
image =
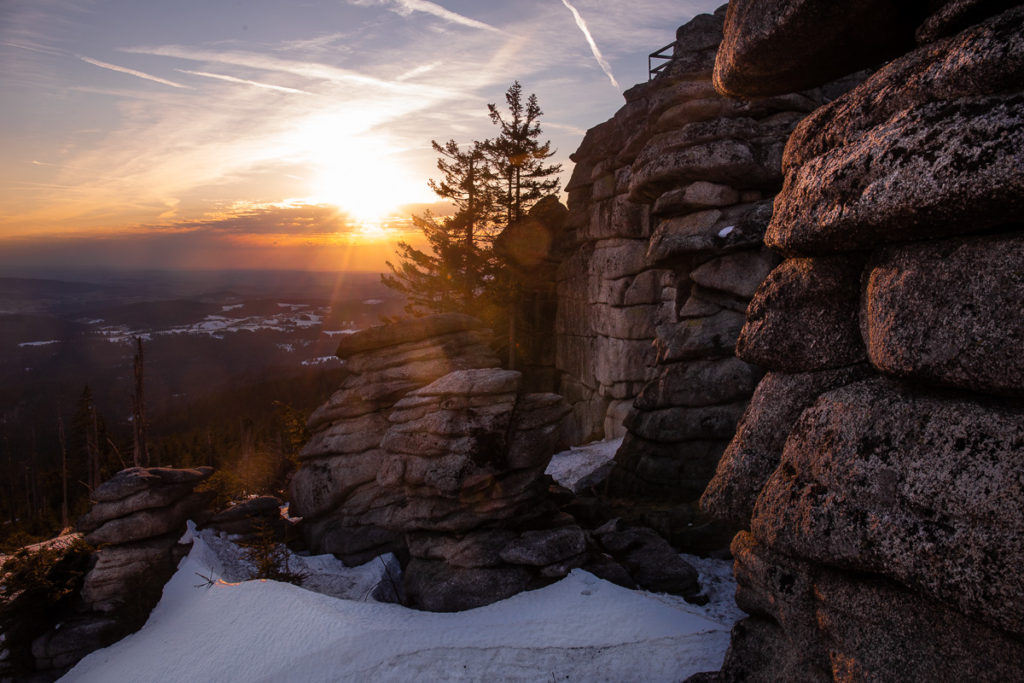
<point x="492" y="185"/>
<point x="451" y="276"/>
<point x="429" y="281"/>
<point x="518" y="155"/>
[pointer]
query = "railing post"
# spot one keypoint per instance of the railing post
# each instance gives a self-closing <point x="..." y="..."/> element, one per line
<point x="652" y="70"/>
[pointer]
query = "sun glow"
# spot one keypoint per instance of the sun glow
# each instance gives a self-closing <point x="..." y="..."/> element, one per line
<point x="360" y="173"/>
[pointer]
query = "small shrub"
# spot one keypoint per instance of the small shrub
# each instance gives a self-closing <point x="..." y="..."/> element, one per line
<point x="270" y="557"/>
<point x="226" y="485"/>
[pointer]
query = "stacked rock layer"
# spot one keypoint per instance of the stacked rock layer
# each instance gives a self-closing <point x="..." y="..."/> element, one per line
<point x="136" y="520"/>
<point x="430" y="450"/>
<point x="669" y="201"/>
<point x="879" y="470"/>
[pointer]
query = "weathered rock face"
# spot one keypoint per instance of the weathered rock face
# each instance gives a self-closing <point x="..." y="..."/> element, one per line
<point x="884" y="498"/>
<point x="949" y="312"/>
<point x="784" y="45"/>
<point x="429" y="449"/>
<point x="136" y="520"/>
<point x="450" y="474"/>
<point x="138" y="517"/>
<point x="670" y="200"/>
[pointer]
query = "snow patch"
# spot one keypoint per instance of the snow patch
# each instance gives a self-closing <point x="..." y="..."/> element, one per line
<point x="320" y="360"/>
<point x="724" y="232"/>
<point x="579" y="629"/>
<point x="573" y="467"/>
<point x="40" y="343"/>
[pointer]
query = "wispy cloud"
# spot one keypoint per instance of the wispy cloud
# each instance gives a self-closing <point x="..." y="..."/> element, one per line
<point x="407" y="7"/>
<point x="575" y="130"/>
<point x="605" y="66"/>
<point x="32" y="47"/>
<point x="417" y="71"/>
<point x="131" y="72"/>
<point x="304" y="69"/>
<point x="244" y="81"/>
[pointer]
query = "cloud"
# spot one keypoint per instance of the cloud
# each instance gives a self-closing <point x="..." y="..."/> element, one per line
<point x="605" y="66"/>
<point x="131" y="72"/>
<point x="295" y="219"/>
<point x="407" y="7"/>
<point x="305" y="69"/>
<point x="244" y="81"/>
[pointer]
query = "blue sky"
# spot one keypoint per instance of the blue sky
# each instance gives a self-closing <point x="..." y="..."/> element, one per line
<point x="241" y="122"/>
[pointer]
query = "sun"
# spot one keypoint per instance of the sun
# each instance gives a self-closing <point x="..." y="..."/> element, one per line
<point x="362" y="174"/>
<point x="362" y="185"/>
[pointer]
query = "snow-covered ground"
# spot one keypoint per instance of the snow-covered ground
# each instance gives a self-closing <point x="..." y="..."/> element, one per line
<point x="212" y="626"/>
<point x="579" y="629"/>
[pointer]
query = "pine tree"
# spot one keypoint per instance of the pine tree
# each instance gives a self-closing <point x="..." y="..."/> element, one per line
<point x="428" y="281"/>
<point x="467" y="183"/>
<point x="518" y="155"/>
<point x="451" y="277"/>
<point x="492" y="185"/>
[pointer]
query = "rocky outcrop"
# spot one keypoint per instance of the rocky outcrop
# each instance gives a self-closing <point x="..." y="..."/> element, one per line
<point x="430" y="450"/>
<point x="670" y="201"/>
<point x="878" y="469"/>
<point x="136" y="521"/>
<point x="450" y="475"/>
<point x="335" y="490"/>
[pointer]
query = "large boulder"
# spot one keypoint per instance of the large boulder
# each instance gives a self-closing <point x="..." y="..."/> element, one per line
<point x="884" y="513"/>
<point x="820" y="297"/>
<point x="928" y="146"/>
<point x="777" y="46"/>
<point x="136" y="521"/>
<point x="814" y="623"/>
<point x="883" y="479"/>
<point x="756" y="449"/>
<point x="949" y="312"/>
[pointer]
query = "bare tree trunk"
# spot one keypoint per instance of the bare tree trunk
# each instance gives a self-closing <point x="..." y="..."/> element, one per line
<point x="63" y="474"/>
<point x="512" y="327"/>
<point x="92" y="445"/>
<point x="248" y="449"/>
<point x="140" y="456"/>
<point x="31" y="499"/>
<point x="12" y="515"/>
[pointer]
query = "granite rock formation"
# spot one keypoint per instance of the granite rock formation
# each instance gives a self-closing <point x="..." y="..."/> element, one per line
<point x="878" y="470"/>
<point x="430" y="450"/>
<point x="669" y="203"/>
<point x="137" y="519"/>
<point x="335" y="490"/>
<point x="252" y="519"/>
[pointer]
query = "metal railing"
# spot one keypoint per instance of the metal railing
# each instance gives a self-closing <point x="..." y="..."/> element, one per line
<point x="653" y="70"/>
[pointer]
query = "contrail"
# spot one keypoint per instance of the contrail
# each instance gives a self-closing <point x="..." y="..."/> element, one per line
<point x="605" y="66"/>
<point x="243" y="81"/>
<point x="406" y="7"/>
<point x="132" y="72"/>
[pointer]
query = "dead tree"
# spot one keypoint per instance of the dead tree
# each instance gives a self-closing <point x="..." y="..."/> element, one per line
<point x="140" y="455"/>
<point x="63" y="474"/>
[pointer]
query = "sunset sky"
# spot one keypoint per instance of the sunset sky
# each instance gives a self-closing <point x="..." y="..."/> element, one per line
<point x="266" y="134"/>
